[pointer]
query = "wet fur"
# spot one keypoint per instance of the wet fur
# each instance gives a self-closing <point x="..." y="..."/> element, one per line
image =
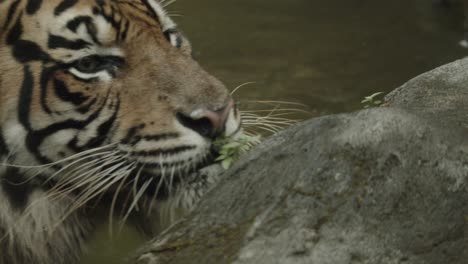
<point x="57" y="124"/>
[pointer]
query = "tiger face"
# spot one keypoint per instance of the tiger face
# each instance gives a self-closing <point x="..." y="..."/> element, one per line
<point x="113" y="75"/>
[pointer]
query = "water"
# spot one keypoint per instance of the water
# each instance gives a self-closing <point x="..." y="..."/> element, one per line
<point x="327" y="55"/>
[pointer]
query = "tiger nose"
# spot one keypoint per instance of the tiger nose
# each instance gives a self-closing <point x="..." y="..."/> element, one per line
<point x="206" y="122"/>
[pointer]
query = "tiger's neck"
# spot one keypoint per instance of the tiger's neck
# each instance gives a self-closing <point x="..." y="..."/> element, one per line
<point x="31" y="228"/>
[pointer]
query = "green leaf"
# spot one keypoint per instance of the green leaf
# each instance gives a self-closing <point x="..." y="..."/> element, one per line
<point x="371" y="97"/>
<point x="226" y="164"/>
<point x="233" y="144"/>
<point x="220" y="158"/>
<point x="231" y="149"/>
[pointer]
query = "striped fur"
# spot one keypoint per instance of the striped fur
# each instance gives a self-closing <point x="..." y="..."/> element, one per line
<point x="91" y="98"/>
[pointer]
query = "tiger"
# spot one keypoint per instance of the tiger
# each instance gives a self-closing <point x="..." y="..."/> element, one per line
<point x="104" y="114"/>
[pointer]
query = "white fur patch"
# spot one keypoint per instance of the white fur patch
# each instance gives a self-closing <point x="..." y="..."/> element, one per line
<point x="101" y="75"/>
<point x="165" y="20"/>
<point x="174" y="39"/>
<point x="104" y="29"/>
<point x="232" y="124"/>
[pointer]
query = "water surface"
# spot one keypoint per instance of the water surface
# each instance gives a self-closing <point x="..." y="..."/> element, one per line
<point x="325" y="54"/>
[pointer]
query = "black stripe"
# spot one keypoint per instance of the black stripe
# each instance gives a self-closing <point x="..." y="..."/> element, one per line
<point x="155" y="165"/>
<point x="26" y="51"/>
<point x="137" y="6"/>
<point x="161" y="152"/>
<point x="178" y="42"/>
<point x="104" y="128"/>
<point x="169" y="32"/>
<point x="33" y="6"/>
<point x="63" y="6"/>
<point x="34" y="139"/>
<point x="102" y="132"/>
<point x="124" y="32"/>
<point x="109" y="18"/>
<point x="160" y="137"/>
<point x="15" y="33"/>
<point x="17" y="188"/>
<point x="151" y="10"/>
<point x="3" y="146"/>
<point x="11" y="12"/>
<point x="62" y="92"/>
<point x="24" y="104"/>
<point x="74" y="23"/>
<point x="92" y="31"/>
<point x="46" y="75"/>
<point x="85" y="108"/>
<point x="131" y="134"/>
<point x="133" y="139"/>
<point x="56" y="42"/>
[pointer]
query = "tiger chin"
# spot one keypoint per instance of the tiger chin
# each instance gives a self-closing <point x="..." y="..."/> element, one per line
<point x="103" y="114"/>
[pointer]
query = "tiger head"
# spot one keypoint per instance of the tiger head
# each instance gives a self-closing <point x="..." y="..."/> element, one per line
<point x="77" y="76"/>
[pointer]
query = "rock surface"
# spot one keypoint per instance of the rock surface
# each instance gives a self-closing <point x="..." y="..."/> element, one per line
<point x="384" y="186"/>
<point x="440" y="95"/>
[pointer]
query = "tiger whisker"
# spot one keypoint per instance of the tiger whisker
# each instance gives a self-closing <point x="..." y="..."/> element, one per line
<point x="116" y="176"/>
<point x="268" y="119"/>
<point x="137" y="198"/>
<point x="175" y="15"/>
<point x="77" y="175"/>
<point x="268" y="122"/>
<point x="240" y="86"/>
<point x="100" y="174"/>
<point x="171" y="179"/>
<point x="63" y="192"/>
<point x="278" y="114"/>
<point x="49" y="178"/>
<point x="167" y="3"/>
<point x="57" y="162"/>
<point x="273" y="123"/>
<point x="277" y="109"/>
<point x="101" y="186"/>
<point x="92" y="162"/>
<point x="135" y="185"/>
<point x="273" y="102"/>
<point x="270" y="130"/>
<point x="161" y="179"/>
<point x="135" y="182"/>
<point x="28" y="211"/>
<point x="125" y="203"/>
<point x="152" y="200"/>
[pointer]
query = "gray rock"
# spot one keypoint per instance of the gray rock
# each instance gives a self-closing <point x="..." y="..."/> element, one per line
<point x="440" y="95"/>
<point x="383" y="186"/>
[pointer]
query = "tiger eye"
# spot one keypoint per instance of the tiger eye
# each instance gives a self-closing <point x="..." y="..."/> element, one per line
<point x="87" y="64"/>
